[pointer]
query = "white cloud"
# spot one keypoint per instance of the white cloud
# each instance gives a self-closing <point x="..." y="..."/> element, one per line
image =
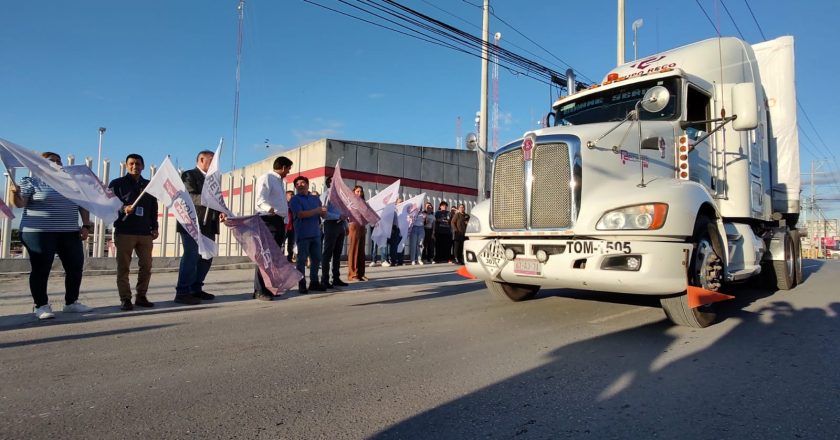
<point x="325" y="129"/>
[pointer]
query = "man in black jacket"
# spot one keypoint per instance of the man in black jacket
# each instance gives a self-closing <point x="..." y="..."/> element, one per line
<point x="134" y="231"/>
<point x="193" y="268"/>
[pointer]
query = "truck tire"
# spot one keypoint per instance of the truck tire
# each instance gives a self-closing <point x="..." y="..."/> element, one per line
<point x="705" y="270"/>
<point x="797" y="257"/>
<point x="512" y="292"/>
<point x="784" y="271"/>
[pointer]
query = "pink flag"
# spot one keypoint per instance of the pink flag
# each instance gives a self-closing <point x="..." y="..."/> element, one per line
<point x="259" y="245"/>
<point x="5" y="211"/>
<point x="348" y="203"/>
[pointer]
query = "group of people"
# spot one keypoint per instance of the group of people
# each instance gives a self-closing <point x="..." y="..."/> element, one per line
<point x="433" y="237"/>
<point x="296" y="219"/>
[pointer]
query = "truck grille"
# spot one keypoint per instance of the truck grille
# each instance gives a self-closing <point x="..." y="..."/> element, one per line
<point x="551" y="195"/>
<point x="509" y="191"/>
<point x="551" y="199"/>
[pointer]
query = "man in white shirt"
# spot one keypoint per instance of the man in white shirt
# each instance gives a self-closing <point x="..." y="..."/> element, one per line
<point x="271" y="205"/>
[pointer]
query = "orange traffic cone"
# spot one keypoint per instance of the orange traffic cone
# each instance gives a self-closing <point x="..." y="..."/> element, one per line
<point x="465" y="273"/>
<point x="698" y="296"/>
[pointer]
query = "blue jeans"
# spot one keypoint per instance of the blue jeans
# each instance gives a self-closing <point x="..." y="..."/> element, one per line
<point x="415" y="239"/>
<point x="309" y="247"/>
<point x="42" y="248"/>
<point x="193" y="268"/>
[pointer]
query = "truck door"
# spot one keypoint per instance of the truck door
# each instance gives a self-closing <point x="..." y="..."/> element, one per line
<point x="700" y="160"/>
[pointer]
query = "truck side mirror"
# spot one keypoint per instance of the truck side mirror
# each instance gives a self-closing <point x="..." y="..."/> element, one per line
<point x="744" y="106"/>
<point x="472" y="141"/>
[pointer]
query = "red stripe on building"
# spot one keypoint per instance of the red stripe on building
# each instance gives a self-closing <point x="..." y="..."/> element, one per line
<point x="383" y="179"/>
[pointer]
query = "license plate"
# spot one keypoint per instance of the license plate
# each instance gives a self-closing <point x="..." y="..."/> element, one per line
<point x="528" y="267"/>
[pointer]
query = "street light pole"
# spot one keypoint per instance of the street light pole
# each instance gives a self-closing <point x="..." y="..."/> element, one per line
<point x="99" y="154"/>
<point x="482" y="131"/>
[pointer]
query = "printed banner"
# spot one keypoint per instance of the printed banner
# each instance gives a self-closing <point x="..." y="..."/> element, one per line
<point x="259" y="245"/>
<point x="166" y="185"/>
<point x="77" y="183"/>
<point x="5" y="211"/>
<point x="348" y="203"/>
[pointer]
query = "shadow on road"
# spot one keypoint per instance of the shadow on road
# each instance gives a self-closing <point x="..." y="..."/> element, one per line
<point x="27" y="320"/>
<point x="82" y="336"/>
<point x="435" y="292"/>
<point x="750" y="383"/>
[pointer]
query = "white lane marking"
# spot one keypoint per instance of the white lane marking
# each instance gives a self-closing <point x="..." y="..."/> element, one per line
<point x="617" y="315"/>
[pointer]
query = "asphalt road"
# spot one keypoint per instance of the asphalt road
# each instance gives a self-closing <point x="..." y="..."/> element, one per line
<point x="419" y="352"/>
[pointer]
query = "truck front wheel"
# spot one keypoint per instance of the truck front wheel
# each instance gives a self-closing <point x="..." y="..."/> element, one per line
<point x="512" y="292"/>
<point x="706" y="271"/>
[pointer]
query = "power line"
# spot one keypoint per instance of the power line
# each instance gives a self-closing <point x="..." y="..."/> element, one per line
<point x="808" y="118"/>
<point x="732" y="19"/>
<point x="420" y="26"/>
<point x="711" y="22"/>
<point x="763" y="38"/>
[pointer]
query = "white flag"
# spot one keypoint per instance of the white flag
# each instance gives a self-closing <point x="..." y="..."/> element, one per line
<point x="382" y="230"/>
<point x="406" y="216"/>
<point x="383" y="204"/>
<point x="383" y="198"/>
<point x="211" y="192"/>
<point x="77" y="183"/>
<point x="166" y="185"/>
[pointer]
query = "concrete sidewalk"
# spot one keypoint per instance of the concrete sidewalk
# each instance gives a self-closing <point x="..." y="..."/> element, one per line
<point x="231" y="287"/>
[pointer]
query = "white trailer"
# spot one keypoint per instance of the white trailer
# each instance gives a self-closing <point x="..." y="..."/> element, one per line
<point x="677" y="172"/>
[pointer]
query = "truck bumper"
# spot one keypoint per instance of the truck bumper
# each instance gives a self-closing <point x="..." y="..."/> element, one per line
<point x="583" y="264"/>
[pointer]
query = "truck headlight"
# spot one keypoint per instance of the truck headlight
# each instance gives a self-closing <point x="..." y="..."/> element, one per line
<point x="640" y="217"/>
<point x="473" y="225"/>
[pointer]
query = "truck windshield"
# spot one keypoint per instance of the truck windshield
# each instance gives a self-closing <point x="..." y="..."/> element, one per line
<point x="614" y="104"/>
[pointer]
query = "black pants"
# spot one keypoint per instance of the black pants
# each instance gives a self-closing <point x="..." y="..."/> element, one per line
<point x="277" y="226"/>
<point x="290" y="245"/>
<point x="428" y="245"/>
<point x="459" y="247"/>
<point x="334" y="234"/>
<point x="42" y="248"/>
<point x="443" y="246"/>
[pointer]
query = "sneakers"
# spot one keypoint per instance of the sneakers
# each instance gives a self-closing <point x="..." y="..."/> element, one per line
<point x="187" y="300"/>
<point x="142" y="301"/>
<point x="126" y="305"/>
<point x="386" y="264"/>
<point x="413" y="263"/>
<point x="373" y="264"/>
<point x="338" y="282"/>
<point x="77" y="307"/>
<point x="421" y="262"/>
<point x="44" y="312"/>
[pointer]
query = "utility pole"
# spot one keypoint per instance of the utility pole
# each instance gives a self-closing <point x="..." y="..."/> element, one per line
<point x="496" y="39"/>
<point x="620" y="42"/>
<point x="482" y="132"/>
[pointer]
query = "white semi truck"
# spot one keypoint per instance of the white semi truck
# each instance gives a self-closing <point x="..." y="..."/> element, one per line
<point x="677" y="174"/>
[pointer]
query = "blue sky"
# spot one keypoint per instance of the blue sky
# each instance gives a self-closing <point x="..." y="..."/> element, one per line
<point x="160" y="75"/>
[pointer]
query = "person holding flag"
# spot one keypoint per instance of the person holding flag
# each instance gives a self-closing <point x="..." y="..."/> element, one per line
<point x="194" y="267"/>
<point x="307" y="210"/>
<point x="134" y="231"/>
<point x="272" y="207"/>
<point x="50" y="226"/>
